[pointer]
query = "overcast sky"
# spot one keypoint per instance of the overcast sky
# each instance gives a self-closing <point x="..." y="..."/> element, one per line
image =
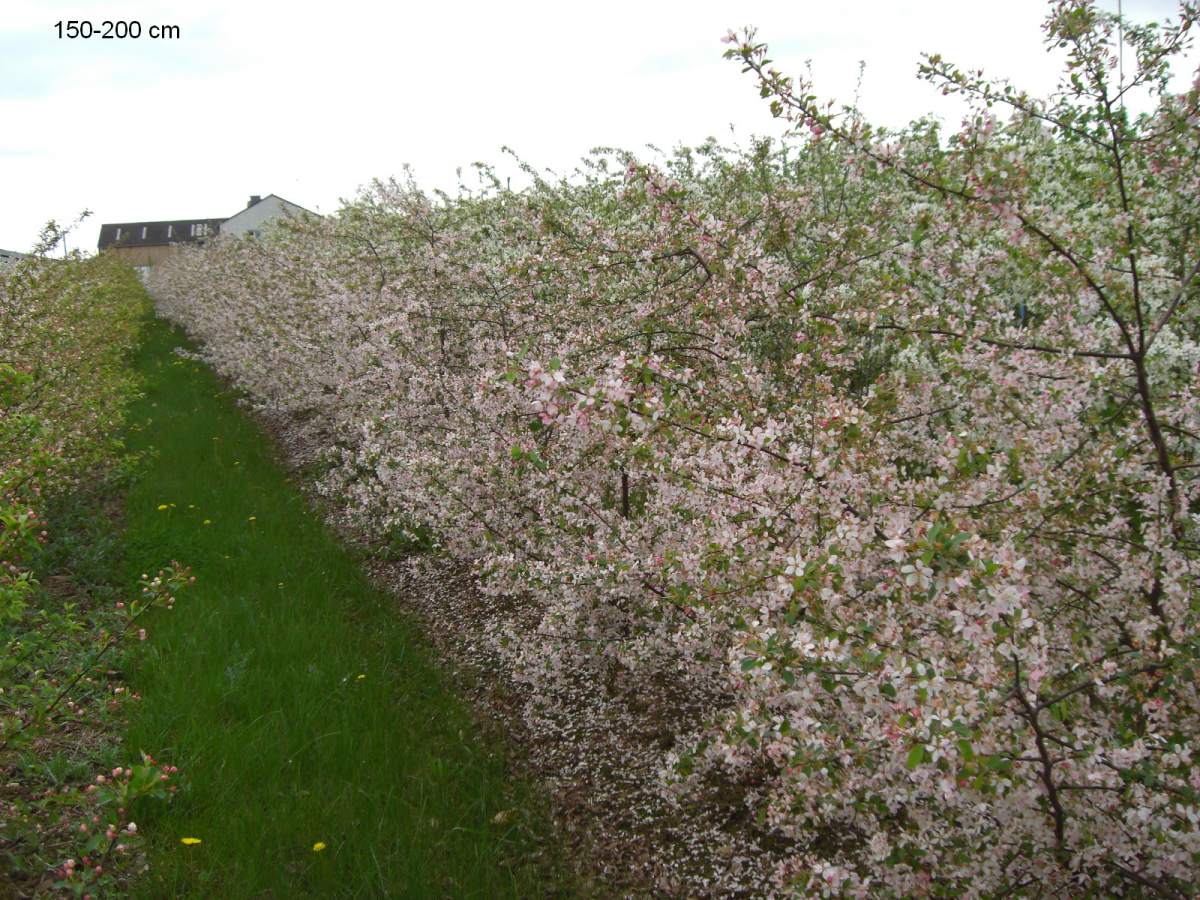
<point x="262" y="96"/>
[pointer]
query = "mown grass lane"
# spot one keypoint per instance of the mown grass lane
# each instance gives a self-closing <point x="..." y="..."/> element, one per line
<point x="321" y="750"/>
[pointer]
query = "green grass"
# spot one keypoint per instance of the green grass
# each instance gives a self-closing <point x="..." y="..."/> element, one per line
<point x="297" y="703"/>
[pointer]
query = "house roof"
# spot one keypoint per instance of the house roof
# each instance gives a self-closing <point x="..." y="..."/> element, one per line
<point x="254" y="202"/>
<point x="149" y="234"/>
<point x="291" y="203"/>
<point x="176" y="231"/>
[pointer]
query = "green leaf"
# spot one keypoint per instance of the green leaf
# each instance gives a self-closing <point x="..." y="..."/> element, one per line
<point x="534" y="457"/>
<point x="916" y="756"/>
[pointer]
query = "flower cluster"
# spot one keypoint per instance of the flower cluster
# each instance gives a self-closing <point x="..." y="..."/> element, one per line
<point x="106" y="829"/>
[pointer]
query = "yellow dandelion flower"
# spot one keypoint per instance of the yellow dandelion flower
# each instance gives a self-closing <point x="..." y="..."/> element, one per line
<point x="208" y="521"/>
<point x="318" y="846"/>
<point x="189" y="841"/>
<point x="162" y="506"/>
<point x="360" y="677"/>
<point x="252" y="519"/>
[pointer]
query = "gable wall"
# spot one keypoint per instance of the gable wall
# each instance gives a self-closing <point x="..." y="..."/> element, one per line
<point x="253" y="218"/>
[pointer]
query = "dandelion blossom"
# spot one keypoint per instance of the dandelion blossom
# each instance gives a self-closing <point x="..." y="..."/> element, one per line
<point x="189" y="841"/>
<point x="318" y="846"/>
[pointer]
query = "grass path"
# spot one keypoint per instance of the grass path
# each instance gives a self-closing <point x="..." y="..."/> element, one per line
<point x="298" y="706"/>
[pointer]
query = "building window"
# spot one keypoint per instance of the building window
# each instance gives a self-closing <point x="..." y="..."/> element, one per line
<point x="170" y="231"/>
<point x="118" y="237"/>
<point x="199" y="229"/>
<point x="143" y="232"/>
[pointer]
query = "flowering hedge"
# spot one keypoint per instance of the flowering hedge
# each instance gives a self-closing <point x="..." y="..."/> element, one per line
<point x="886" y="440"/>
<point x="66" y="326"/>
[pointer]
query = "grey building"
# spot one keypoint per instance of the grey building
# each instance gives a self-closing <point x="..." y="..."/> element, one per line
<point x="258" y="212"/>
<point x="10" y="257"/>
<point x="144" y="244"/>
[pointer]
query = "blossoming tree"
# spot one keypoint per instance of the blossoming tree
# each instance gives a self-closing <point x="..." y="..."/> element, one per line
<point x="881" y="443"/>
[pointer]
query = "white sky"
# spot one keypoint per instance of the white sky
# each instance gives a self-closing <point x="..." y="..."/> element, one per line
<point x="262" y="96"/>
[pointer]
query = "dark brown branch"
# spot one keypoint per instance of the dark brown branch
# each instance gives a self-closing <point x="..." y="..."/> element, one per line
<point x="1047" y="764"/>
